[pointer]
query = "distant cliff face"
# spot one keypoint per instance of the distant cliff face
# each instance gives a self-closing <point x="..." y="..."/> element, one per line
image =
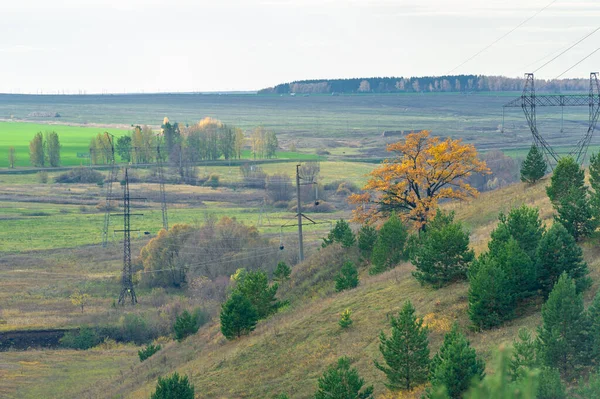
<point x="448" y="83"/>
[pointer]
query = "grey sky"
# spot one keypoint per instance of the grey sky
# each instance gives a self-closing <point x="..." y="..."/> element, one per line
<point x="191" y="45"/>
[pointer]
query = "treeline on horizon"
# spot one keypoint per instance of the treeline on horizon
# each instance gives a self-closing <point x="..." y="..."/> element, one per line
<point x="445" y="83"/>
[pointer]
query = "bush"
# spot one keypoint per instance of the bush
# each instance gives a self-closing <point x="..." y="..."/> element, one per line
<point x="253" y="176"/>
<point x="80" y="175"/>
<point x="279" y="188"/>
<point x="173" y="387"/>
<point x="42" y="176"/>
<point x="213" y="181"/>
<point x="85" y="338"/>
<point x="134" y="328"/>
<point x="185" y="325"/>
<point x="148" y="351"/>
<point x="342" y="187"/>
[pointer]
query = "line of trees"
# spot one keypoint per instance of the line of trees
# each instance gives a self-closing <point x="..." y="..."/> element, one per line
<point x="44" y="150"/>
<point x="445" y="83"/>
<point x="184" y="146"/>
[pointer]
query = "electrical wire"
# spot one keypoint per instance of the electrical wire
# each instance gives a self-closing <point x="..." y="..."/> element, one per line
<point x="568" y="48"/>
<point x="502" y="37"/>
<point x="577" y="63"/>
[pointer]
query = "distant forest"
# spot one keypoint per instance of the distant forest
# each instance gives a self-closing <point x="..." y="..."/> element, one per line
<point x="448" y="83"/>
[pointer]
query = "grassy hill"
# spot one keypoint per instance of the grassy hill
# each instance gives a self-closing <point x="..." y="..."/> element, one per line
<point x="290" y="350"/>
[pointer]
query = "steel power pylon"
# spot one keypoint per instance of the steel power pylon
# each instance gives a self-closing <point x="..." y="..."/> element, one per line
<point x="529" y="101"/>
<point x="110" y="156"/>
<point x="127" y="290"/>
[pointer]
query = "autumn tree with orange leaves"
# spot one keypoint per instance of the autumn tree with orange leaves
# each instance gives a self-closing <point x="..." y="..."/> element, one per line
<point x="425" y="171"/>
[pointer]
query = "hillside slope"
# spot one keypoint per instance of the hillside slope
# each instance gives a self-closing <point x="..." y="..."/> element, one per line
<point x="289" y="351"/>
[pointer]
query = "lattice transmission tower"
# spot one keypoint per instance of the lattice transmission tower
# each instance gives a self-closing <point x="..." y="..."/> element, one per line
<point x="529" y="101"/>
<point x="127" y="290"/>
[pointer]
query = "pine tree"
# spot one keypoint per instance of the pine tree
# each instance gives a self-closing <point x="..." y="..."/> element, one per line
<point x="594" y="318"/>
<point x="173" y="387"/>
<point x="455" y="365"/>
<point x="524" y="355"/>
<point x="557" y="253"/>
<point x="441" y="253"/>
<point x="346" y="319"/>
<point x="563" y="334"/>
<point x="348" y="277"/>
<point x="341" y="233"/>
<point x="590" y="388"/>
<point x="550" y="386"/>
<point x="570" y="198"/>
<point x="534" y="167"/>
<point x="595" y="185"/>
<point x="389" y="246"/>
<point x="567" y="174"/>
<point x="520" y="270"/>
<point x="497" y="386"/>
<point x="282" y="272"/>
<point x="524" y="225"/>
<point x="254" y="285"/>
<point x="185" y="325"/>
<point x="340" y="381"/>
<point x="491" y="298"/>
<point x="405" y="351"/>
<point x="367" y="235"/>
<point x="238" y="316"/>
<point x="575" y="213"/>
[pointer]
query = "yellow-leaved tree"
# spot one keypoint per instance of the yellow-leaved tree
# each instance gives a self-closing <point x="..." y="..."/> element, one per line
<point x="425" y="171"/>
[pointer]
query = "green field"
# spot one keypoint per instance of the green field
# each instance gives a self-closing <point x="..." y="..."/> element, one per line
<point x="35" y="216"/>
<point x="346" y="125"/>
<point x="73" y="139"/>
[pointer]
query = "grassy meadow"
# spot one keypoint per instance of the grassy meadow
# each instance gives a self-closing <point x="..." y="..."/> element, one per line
<point x="290" y="350"/>
<point x="73" y="139"/>
<point x="50" y="241"/>
<point x="345" y="125"/>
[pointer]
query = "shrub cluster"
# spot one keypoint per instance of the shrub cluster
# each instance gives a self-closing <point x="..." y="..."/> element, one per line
<point x="80" y="175"/>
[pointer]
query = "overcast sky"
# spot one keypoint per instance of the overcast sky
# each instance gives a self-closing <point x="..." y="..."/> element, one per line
<point x="214" y="45"/>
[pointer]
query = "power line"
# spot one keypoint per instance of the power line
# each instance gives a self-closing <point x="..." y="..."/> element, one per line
<point x="502" y="37"/>
<point x="577" y="63"/>
<point x="569" y="48"/>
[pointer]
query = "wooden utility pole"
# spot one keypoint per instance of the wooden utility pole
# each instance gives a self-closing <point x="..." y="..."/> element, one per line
<point x="300" y="240"/>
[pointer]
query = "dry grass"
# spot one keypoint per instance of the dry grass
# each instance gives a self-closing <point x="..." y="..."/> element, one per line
<point x="289" y="351"/>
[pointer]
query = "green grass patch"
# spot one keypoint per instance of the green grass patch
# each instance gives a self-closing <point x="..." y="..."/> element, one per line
<point x="73" y="139"/>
